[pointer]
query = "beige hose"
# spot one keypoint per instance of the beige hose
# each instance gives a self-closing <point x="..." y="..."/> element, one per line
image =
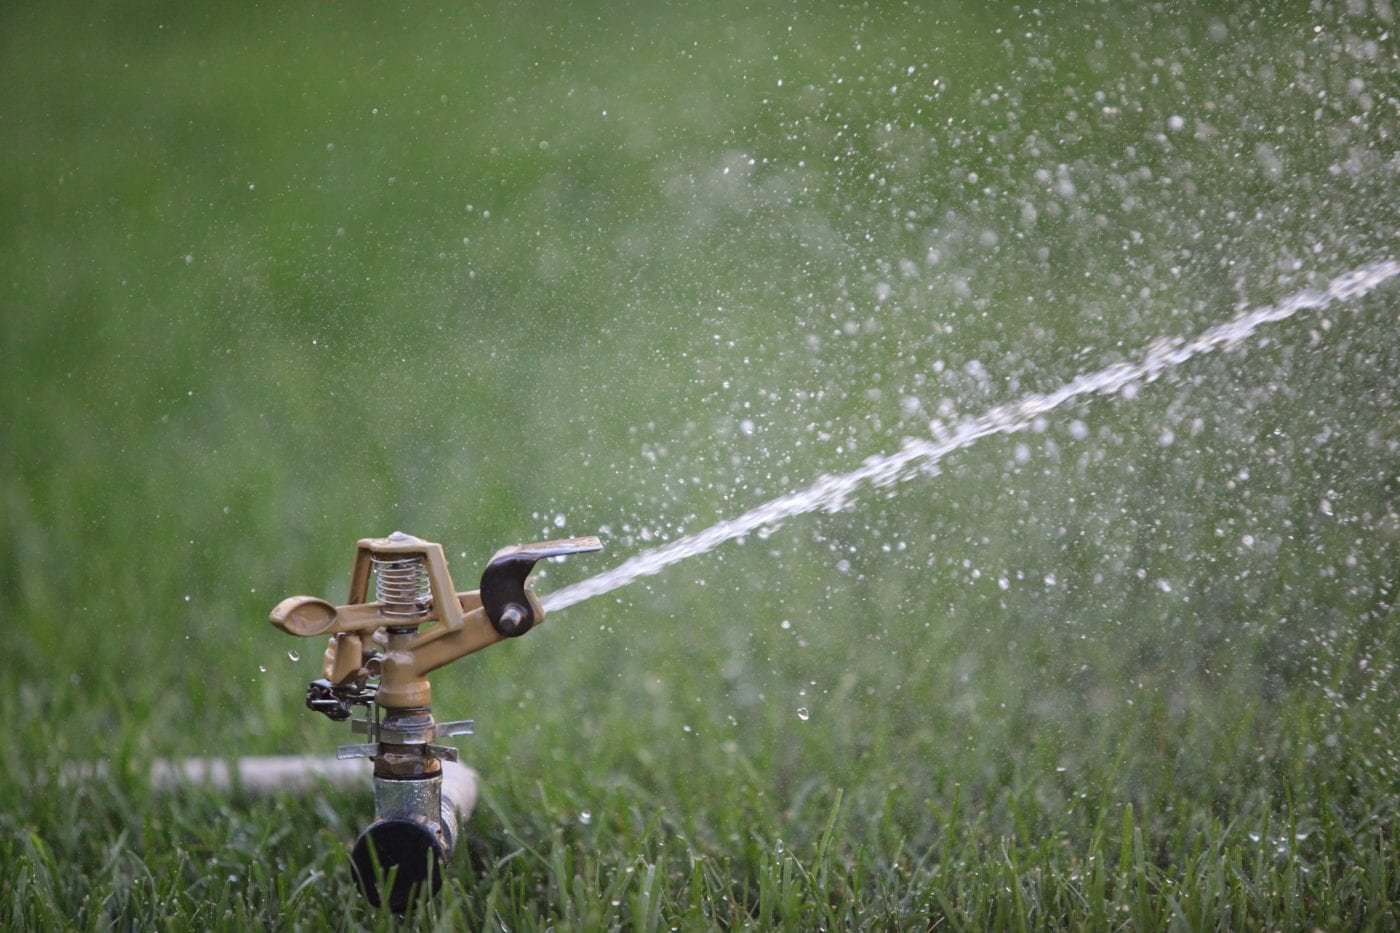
<point x="266" y="775"/>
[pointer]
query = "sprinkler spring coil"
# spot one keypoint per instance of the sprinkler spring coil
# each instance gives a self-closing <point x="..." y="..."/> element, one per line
<point x="401" y="584"/>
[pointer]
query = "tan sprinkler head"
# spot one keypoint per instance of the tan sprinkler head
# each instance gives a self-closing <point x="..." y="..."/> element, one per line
<point x="379" y="655"/>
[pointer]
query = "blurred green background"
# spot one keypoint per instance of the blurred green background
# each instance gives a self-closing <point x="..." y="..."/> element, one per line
<point x="278" y="278"/>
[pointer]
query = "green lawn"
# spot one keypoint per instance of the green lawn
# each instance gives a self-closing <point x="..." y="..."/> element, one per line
<point x="275" y="280"/>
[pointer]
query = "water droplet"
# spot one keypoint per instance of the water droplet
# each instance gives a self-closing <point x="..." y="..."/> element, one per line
<point x="803" y="713"/>
<point x="560" y="520"/>
<point x="293" y="656"/>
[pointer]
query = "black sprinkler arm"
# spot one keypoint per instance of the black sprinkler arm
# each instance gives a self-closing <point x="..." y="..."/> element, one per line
<point x="503" y="596"/>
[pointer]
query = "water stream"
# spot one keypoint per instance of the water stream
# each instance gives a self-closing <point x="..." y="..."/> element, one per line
<point x="921" y="455"/>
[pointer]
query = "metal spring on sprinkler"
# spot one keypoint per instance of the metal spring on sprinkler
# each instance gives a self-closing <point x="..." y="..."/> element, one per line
<point x="401" y="584"/>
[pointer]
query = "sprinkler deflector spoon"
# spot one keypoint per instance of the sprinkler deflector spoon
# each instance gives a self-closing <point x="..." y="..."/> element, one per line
<point x="503" y="594"/>
<point x="379" y="654"/>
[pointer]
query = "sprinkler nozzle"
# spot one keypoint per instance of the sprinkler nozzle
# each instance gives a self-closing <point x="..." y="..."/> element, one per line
<point x="419" y="788"/>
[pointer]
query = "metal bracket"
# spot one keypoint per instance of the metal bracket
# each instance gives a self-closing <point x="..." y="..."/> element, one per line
<point x="456" y="727"/>
<point x="445" y="752"/>
<point x="368" y="750"/>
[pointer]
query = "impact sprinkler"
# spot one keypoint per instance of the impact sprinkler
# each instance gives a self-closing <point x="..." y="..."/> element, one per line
<point x="379" y="657"/>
